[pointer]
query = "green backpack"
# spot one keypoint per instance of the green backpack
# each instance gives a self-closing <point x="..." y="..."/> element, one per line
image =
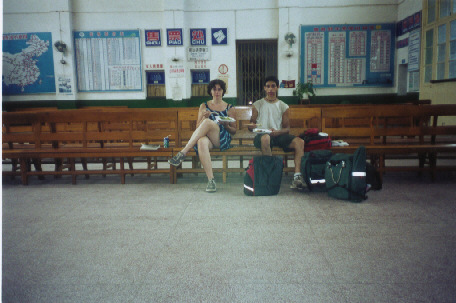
<point x="345" y="176"/>
<point x="263" y="176"/>
<point x="313" y="165"/>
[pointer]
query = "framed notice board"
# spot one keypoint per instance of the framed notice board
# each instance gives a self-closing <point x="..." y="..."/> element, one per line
<point x="348" y="55"/>
<point x="108" y="60"/>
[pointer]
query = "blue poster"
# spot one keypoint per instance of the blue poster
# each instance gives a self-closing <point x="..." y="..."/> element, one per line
<point x="174" y="36"/>
<point x="153" y="37"/>
<point x="198" y="36"/>
<point x="28" y="64"/>
<point x="200" y="77"/>
<point x="157" y="77"/>
<point x="219" y="36"/>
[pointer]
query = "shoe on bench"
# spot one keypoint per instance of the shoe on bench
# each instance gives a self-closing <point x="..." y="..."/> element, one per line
<point x="177" y="159"/>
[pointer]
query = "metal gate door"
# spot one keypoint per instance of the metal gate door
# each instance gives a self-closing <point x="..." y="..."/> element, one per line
<point x="255" y="61"/>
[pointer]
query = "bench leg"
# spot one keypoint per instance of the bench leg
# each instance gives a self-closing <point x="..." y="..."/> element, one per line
<point x="421" y="163"/>
<point x="149" y="164"/>
<point x="172" y="175"/>
<point x="73" y="169"/>
<point x="195" y="164"/>
<point x="58" y="167"/>
<point x="433" y="165"/>
<point x="37" y="164"/>
<point x="84" y="166"/>
<point x="285" y="159"/>
<point x="381" y="166"/>
<point x="14" y="167"/>
<point x="241" y="164"/>
<point x="24" y="169"/>
<point x="225" y="166"/>
<point x="130" y="164"/>
<point x="122" y="171"/>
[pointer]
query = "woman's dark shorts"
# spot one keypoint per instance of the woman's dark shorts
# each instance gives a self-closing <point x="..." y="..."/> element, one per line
<point x="282" y="141"/>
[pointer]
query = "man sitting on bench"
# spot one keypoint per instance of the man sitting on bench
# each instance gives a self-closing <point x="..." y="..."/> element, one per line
<point x="272" y="115"/>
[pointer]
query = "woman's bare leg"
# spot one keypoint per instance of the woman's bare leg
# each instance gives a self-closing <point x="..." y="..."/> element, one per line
<point x="207" y="128"/>
<point x="204" y="145"/>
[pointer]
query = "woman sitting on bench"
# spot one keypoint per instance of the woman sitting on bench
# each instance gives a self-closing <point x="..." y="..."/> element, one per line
<point x="210" y="132"/>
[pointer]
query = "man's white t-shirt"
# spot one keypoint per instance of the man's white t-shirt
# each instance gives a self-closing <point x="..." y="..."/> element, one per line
<point x="270" y="114"/>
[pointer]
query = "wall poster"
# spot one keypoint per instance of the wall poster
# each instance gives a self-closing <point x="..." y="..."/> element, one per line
<point x="347" y="55"/>
<point x="108" y="60"/>
<point x="28" y="64"/>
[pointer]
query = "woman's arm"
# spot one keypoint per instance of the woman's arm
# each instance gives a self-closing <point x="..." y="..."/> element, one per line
<point x="203" y="113"/>
<point x="231" y="127"/>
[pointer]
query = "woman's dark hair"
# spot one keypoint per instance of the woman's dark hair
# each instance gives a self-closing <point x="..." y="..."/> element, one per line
<point x="212" y="84"/>
<point x="271" y="78"/>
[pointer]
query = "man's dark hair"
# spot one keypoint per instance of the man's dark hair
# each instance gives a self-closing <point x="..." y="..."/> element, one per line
<point x="271" y="78"/>
<point x="212" y="84"/>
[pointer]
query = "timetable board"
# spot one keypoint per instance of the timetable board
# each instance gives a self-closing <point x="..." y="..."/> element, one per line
<point x="348" y="55"/>
<point x="108" y="60"/>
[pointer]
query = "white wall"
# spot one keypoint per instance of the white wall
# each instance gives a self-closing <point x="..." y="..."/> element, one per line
<point x="245" y="20"/>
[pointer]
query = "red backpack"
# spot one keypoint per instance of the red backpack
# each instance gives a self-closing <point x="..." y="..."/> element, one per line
<point x="315" y="140"/>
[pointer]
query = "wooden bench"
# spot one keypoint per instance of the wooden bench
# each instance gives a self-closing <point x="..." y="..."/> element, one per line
<point x="242" y="141"/>
<point x="76" y="134"/>
<point x="393" y="130"/>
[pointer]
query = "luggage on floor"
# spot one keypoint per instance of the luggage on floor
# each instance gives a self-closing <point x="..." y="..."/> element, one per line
<point x="345" y="176"/>
<point x="315" y="140"/>
<point x="313" y="165"/>
<point x="263" y="176"/>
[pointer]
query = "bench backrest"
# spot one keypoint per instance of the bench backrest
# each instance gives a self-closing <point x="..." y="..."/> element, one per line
<point x="369" y="123"/>
<point x="304" y="118"/>
<point x="80" y="128"/>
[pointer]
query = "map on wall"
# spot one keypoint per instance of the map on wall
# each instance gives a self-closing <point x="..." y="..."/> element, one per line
<point x="108" y="60"/>
<point x="28" y="64"/>
<point x="356" y="55"/>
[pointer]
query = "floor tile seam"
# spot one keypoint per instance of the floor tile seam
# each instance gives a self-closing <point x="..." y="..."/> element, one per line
<point x="321" y="249"/>
<point x="173" y="228"/>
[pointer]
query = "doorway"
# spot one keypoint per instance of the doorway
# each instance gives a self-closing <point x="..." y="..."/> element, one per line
<point x="256" y="59"/>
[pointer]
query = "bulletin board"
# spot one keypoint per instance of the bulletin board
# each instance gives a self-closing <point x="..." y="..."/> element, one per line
<point x="348" y="55"/>
<point x="108" y="60"/>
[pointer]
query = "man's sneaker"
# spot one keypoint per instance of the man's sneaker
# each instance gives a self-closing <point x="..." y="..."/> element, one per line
<point x="211" y="186"/>
<point x="298" y="182"/>
<point x="177" y="159"/>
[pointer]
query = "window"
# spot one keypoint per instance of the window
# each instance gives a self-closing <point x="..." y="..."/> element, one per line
<point x="431" y="11"/>
<point x="156" y="84"/>
<point x="452" y="65"/>
<point x="200" y="80"/>
<point x="441" y="47"/>
<point x="444" y="8"/>
<point x="429" y="55"/>
<point x="439" y="34"/>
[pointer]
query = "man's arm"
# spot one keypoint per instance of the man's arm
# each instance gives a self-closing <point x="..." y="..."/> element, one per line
<point x="253" y="119"/>
<point x="285" y="125"/>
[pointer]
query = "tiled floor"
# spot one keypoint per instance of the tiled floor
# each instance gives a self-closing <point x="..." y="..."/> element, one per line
<point x="150" y="241"/>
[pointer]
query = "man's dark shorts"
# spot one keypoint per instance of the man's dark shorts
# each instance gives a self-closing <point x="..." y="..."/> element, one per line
<point x="282" y="141"/>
